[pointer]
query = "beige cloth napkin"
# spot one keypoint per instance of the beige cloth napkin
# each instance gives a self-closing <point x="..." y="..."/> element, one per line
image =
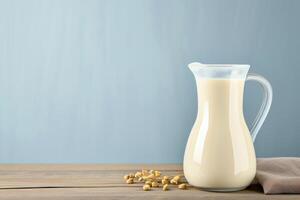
<point x="279" y="175"/>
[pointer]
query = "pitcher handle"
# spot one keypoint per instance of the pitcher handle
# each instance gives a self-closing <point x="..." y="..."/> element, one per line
<point x="266" y="103"/>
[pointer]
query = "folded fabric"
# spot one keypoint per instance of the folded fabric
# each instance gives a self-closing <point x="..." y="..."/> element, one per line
<point x="279" y="175"/>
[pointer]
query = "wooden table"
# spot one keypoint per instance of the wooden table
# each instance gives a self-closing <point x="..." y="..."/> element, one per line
<point x="98" y="181"/>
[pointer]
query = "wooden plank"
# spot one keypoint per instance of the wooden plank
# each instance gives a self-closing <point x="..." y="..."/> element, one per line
<point x="132" y="193"/>
<point x="88" y="167"/>
<point x="97" y="181"/>
<point x="29" y="176"/>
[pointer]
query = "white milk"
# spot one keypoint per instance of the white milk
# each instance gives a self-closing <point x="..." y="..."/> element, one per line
<point x="219" y="154"/>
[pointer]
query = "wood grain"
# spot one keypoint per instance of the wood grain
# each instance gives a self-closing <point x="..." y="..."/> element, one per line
<point x="98" y="181"/>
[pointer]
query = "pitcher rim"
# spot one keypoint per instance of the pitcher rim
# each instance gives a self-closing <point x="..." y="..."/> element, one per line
<point x="218" y="66"/>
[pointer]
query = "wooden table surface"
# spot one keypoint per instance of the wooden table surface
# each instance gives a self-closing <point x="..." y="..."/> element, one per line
<point x="98" y="181"/>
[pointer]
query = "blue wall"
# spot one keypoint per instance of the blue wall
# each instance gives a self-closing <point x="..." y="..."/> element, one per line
<point x="106" y="81"/>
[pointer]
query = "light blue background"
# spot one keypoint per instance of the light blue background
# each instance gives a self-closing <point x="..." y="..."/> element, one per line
<point x="106" y="81"/>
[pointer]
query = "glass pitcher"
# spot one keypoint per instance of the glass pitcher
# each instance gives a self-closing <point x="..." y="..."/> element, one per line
<point x="219" y="154"/>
